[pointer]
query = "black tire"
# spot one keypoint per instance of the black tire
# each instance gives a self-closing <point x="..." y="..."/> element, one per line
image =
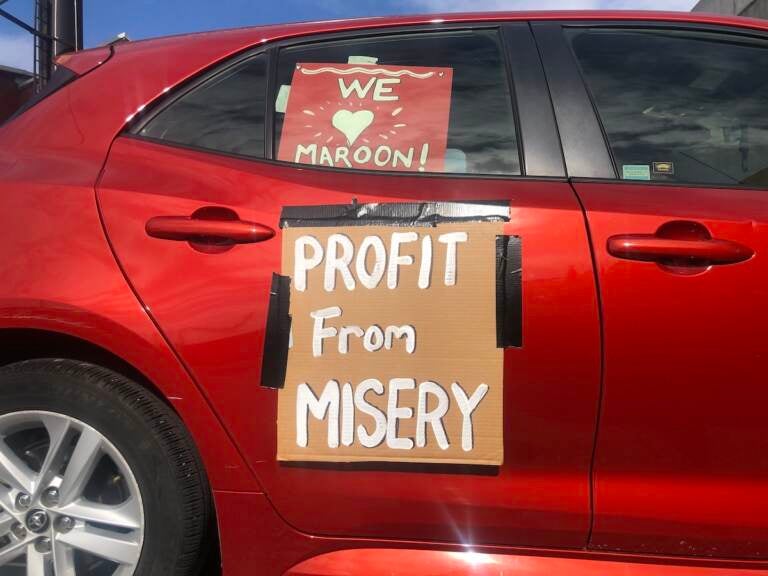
<point x="150" y="436"/>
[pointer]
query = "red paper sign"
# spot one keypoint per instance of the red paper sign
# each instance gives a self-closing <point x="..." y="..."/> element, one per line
<point x="368" y="116"/>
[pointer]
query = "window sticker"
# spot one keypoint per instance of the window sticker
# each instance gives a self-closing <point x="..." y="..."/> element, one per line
<point x="362" y="60"/>
<point x="664" y="168"/>
<point x="281" y="102"/>
<point x="397" y="339"/>
<point x="455" y="161"/>
<point x="368" y="116"/>
<point x="636" y="172"/>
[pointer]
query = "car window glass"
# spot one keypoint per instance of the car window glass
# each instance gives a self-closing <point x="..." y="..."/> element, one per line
<point x="437" y="102"/>
<point x="679" y="106"/>
<point x="226" y="113"/>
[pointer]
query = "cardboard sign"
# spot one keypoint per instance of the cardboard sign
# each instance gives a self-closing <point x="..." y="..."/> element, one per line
<point x="368" y="116"/>
<point x="393" y="353"/>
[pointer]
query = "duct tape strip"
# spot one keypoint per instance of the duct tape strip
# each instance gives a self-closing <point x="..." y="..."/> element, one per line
<point x="394" y="214"/>
<point x="509" y="291"/>
<point x="278" y="334"/>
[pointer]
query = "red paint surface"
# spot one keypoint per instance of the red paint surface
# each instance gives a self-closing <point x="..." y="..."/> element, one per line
<point x="296" y="554"/>
<point x="681" y="448"/>
<point x="405" y="562"/>
<point x="86" y="60"/>
<point x="59" y="275"/>
<point x="682" y="454"/>
<point x="213" y="308"/>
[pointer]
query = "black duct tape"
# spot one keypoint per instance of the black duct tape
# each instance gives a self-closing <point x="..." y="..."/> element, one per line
<point x="278" y="334"/>
<point x="394" y="214"/>
<point x="509" y="291"/>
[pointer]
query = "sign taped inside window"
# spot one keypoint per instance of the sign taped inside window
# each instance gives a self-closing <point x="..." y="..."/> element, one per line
<point x="281" y="102"/>
<point x="636" y="172"/>
<point x="393" y="317"/>
<point x="368" y="116"/>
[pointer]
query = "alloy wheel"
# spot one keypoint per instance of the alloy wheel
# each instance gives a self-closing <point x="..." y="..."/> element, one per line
<point x="69" y="503"/>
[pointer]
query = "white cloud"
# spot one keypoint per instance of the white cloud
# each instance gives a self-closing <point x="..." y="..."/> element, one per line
<point x="16" y="51"/>
<point x="504" y="5"/>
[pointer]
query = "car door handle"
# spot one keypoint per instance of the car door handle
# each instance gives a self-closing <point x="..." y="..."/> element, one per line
<point x="699" y="251"/>
<point x="189" y="229"/>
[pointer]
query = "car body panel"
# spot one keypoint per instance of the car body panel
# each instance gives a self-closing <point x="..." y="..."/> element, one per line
<point x="679" y="462"/>
<point x="213" y="308"/>
<point x="60" y="276"/>
<point x="297" y="554"/>
<point x="86" y="60"/>
<point x="684" y="381"/>
<point x="389" y="562"/>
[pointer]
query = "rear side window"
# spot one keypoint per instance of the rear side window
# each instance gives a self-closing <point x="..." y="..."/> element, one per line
<point x="225" y="113"/>
<point x="436" y="102"/>
<point x="679" y="106"/>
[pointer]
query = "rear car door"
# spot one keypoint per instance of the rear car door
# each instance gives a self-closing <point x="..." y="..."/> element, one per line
<point x="203" y="172"/>
<point x="678" y="215"/>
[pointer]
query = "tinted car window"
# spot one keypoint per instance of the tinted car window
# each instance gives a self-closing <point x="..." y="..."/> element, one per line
<point x="448" y="91"/>
<point x="680" y="106"/>
<point x="226" y="113"/>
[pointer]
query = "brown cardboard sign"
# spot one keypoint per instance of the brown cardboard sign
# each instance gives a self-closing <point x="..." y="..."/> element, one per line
<point x="393" y="353"/>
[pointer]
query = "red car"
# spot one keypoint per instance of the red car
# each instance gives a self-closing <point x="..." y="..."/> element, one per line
<point x="479" y="293"/>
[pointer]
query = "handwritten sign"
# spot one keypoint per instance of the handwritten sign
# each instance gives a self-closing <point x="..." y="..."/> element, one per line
<point x="368" y="116"/>
<point x="393" y="351"/>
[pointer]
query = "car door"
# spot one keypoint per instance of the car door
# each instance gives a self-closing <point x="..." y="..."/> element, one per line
<point x="192" y="198"/>
<point x="678" y="215"/>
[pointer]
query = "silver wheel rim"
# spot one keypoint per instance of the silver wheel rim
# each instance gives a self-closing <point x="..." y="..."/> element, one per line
<point x="69" y="503"/>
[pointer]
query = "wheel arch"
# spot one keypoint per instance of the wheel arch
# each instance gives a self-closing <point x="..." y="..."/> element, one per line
<point x="144" y="358"/>
<point x="20" y="344"/>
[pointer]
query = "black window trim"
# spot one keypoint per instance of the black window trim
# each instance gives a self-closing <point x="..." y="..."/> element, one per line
<point x="538" y="148"/>
<point x="592" y="159"/>
<point x="538" y="139"/>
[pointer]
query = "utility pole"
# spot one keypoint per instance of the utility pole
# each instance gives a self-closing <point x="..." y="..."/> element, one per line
<point x="58" y="28"/>
<point x="59" y="24"/>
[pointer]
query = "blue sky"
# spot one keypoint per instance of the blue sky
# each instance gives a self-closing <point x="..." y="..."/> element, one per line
<point x="146" y="18"/>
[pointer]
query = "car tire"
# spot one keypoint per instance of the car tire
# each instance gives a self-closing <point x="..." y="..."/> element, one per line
<point x="141" y="466"/>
